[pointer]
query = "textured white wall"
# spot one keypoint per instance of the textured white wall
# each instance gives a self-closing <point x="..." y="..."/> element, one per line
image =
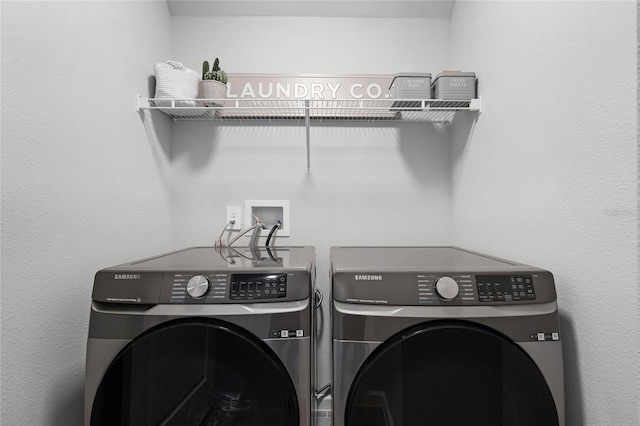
<point x="549" y="176"/>
<point x="546" y="175"/>
<point x="82" y="185"/>
<point x="363" y="177"/>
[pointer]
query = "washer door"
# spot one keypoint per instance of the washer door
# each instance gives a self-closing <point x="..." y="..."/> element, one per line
<point x="453" y="373"/>
<point x="196" y="372"/>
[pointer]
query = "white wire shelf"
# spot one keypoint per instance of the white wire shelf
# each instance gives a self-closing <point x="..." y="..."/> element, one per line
<point x="418" y="110"/>
<point x="370" y="110"/>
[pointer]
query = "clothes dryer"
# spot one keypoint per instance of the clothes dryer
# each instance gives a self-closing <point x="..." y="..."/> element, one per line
<point x="203" y="336"/>
<point x="443" y="336"/>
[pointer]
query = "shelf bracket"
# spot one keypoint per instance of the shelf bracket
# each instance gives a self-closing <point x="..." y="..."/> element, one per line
<point x="141" y="103"/>
<point x="476" y="105"/>
<point x="307" y="124"/>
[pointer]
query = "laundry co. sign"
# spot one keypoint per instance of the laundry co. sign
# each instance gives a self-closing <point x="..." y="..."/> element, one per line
<point x="321" y="87"/>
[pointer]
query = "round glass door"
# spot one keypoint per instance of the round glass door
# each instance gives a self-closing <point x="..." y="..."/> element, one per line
<point x="450" y="374"/>
<point x="196" y="372"/>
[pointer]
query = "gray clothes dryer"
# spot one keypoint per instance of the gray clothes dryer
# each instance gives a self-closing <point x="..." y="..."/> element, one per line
<point x="203" y="336"/>
<point x="443" y="336"/>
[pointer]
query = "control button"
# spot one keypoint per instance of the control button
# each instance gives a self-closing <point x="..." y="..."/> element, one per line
<point x="198" y="286"/>
<point x="447" y="288"/>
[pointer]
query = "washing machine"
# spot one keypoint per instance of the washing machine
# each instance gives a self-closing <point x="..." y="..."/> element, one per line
<point x="443" y="336"/>
<point x="203" y="336"/>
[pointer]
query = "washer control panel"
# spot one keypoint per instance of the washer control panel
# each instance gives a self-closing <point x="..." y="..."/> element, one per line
<point x="205" y="288"/>
<point x="434" y="289"/>
<point x="212" y="287"/>
<point x="258" y="286"/>
<point x="505" y="288"/>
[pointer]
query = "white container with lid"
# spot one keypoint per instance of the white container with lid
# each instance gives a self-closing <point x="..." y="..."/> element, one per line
<point x="455" y="85"/>
<point x="411" y="86"/>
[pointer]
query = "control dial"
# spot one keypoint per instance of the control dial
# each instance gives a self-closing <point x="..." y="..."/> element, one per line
<point x="447" y="288"/>
<point x="198" y="286"/>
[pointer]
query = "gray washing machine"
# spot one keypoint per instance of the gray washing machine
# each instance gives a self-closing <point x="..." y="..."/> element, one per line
<point x="443" y="336"/>
<point x="203" y="336"/>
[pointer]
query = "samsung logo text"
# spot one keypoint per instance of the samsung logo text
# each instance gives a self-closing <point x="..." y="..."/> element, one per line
<point x="368" y="277"/>
<point x="127" y="276"/>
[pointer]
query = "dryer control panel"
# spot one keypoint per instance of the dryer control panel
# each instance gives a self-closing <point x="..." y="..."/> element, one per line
<point x="472" y="289"/>
<point x="444" y="288"/>
<point x="434" y="276"/>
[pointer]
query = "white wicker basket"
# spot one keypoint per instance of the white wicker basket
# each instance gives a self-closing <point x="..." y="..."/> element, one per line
<point x="177" y="82"/>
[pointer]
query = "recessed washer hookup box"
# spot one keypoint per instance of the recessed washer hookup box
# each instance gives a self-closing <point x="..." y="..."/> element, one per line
<point x="455" y="85"/>
<point x="411" y="86"/>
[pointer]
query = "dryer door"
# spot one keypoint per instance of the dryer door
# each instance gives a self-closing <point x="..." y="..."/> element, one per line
<point x="452" y="373"/>
<point x="196" y="372"/>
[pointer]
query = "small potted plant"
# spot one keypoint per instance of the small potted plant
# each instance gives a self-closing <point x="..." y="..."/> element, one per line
<point x="213" y="84"/>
